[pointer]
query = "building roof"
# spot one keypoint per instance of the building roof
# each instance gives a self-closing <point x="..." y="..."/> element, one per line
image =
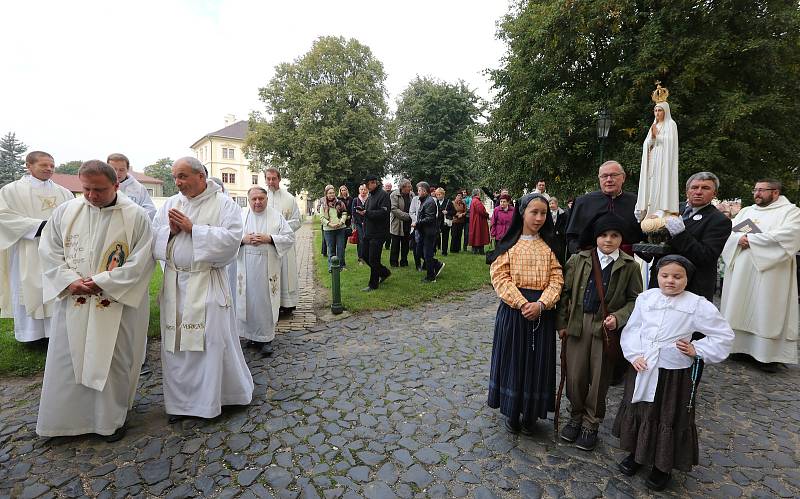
<point x="236" y="131"/>
<point x="71" y="182"/>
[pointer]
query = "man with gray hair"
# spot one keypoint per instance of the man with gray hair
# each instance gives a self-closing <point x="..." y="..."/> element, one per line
<point x="400" y="223"/>
<point x="427" y="224"/>
<point x="281" y="200"/>
<point x="699" y="234"/>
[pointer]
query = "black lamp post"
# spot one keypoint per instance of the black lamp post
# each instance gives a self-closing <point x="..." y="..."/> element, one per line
<point x="603" y="127"/>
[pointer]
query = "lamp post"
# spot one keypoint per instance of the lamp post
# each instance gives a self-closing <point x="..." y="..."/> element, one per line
<point x="603" y="127"/>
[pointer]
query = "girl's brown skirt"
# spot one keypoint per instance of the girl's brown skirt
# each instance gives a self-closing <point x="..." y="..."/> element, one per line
<point x="660" y="433"/>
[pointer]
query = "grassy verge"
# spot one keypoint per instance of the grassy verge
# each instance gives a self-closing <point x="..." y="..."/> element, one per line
<point x="21" y="359"/>
<point x="463" y="272"/>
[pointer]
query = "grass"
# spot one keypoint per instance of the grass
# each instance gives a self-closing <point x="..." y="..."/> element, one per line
<point x="21" y="359"/>
<point x="463" y="272"/>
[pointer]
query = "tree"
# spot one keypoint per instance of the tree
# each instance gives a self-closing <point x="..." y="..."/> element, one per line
<point x="730" y="66"/>
<point x="12" y="165"/>
<point x="70" y="167"/>
<point x="162" y="170"/>
<point x="325" y="119"/>
<point x="435" y="127"/>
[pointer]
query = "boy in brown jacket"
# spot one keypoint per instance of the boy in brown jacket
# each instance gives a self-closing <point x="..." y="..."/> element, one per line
<point x="580" y="322"/>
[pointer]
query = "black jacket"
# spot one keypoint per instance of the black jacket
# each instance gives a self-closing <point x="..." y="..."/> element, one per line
<point x="427" y="217"/>
<point x="560" y="236"/>
<point x="446" y="210"/>
<point x="378" y="207"/>
<point x="701" y="243"/>
<point x="589" y="205"/>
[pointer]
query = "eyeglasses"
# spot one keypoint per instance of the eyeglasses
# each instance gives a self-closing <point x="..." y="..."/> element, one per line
<point x="609" y="175"/>
<point x="759" y="191"/>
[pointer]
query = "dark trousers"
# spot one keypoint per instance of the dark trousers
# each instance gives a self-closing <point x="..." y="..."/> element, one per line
<point x="416" y="247"/>
<point x="324" y="242"/>
<point x="360" y="248"/>
<point x="455" y="237"/>
<point x="588" y="375"/>
<point x="373" y="250"/>
<point x="388" y="242"/>
<point x="445" y="238"/>
<point x="399" y="250"/>
<point x="466" y="233"/>
<point x="428" y="248"/>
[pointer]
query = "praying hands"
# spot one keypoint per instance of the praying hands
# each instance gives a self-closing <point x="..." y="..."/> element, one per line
<point x="179" y="222"/>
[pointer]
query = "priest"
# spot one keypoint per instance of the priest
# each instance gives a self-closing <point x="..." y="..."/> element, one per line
<point x="267" y="237"/>
<point x="97" y="261"/>
<point x="129" y="185"/>
<point x="759" y="294"/>
<point x="283" y="202"/>
<point x="197" y="233"/>
<point x="25" y="207"/>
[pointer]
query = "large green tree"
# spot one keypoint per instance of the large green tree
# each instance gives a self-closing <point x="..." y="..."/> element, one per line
<point x="730" y="65"/>
<point x="162" y="170"/>
<point x="70" y="167"/>
<point x="325" y="119"/>
<point x="434" y="132"/>
<point x="12" y="164"/>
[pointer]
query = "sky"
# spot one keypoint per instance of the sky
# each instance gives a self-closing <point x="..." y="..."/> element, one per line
<point x="148" y="78"/>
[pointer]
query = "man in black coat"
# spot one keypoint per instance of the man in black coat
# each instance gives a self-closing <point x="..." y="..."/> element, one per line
<point x="376" y="230"/>
<point x="699" y="234"/>
<point x="560" y="221"/>
<point x="610" y="197"/>
<point x="428" y="227"/>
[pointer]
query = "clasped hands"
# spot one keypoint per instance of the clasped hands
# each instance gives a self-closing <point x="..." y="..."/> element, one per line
<point x="532" y="310"/>
<point x="178" y="222"/>
<point x="684" y="347"/>
<point x="84" y="286"/>
<point x="256" y="239"/>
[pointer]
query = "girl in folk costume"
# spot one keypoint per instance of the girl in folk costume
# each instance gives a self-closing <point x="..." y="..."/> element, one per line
<point x="656" y="419"/>
<point x="527" y="277"/>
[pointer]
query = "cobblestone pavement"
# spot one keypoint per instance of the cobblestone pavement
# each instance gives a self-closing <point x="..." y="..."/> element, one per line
<point x="304" y="316"/>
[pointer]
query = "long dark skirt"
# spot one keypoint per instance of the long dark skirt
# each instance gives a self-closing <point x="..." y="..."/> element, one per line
<point x="662" y="432"/>
<point x="522" y="379"/>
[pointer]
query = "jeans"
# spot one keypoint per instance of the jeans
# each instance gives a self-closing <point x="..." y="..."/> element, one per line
<point x="359" y="227"/>
<point x="374" y="248"/>
<point x="336" y="241"/>
<point x="399" y="251"/>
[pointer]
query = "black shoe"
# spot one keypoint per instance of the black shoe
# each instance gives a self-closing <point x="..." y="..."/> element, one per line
<point x="587" y="440"/>
<point x="441" y="267"/>
<point x="383" y="278"/>
<point x="174" y="418"/>
<point x="404" y="264"/>
<point x="570" y="432"/>
<point x="395" y="265"/>
<point x="629" y="466"/>
<point x="769" y="367"/>
<point x="658" y="479"/>
<point x="117" y="435"/>
<point x="266" y="349"/>
<point x="425" y="280"/>
<point x="444" y="253"/>
<point x="368" y="289"/>
<point x="512" y="426"/>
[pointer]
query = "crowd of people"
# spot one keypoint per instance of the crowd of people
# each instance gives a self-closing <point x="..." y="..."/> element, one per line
<point x="78" y="273"/>
<point x="658" y="332"/>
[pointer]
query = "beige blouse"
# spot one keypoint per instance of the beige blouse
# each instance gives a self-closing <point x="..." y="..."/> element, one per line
<point x="528" y="264"/>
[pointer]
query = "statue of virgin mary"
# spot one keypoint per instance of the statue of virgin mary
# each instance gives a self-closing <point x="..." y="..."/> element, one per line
<point x="658" y="177"/>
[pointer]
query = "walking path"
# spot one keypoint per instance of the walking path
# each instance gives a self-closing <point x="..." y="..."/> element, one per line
<point x="304" y="315"/>
<point x="392" y="404"/>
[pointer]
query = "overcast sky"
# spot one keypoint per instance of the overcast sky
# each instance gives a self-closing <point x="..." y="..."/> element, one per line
<point x="149" y="77"/>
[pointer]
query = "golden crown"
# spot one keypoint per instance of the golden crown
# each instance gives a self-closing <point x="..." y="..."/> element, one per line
<point x="660" y="94"/>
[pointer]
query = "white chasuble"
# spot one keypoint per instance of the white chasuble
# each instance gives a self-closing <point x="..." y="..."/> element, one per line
<point x="259" y="275"/>
<point x="138" y="194"/>
<point x="24" y="205"/>
<point x="97" y="344"/>
<point x="759" y="294"/>
<point x="199" y="381"/>
<point x="282" y="201"/>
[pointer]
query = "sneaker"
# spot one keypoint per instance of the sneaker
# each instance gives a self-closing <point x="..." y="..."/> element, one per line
<point x="629" y="466"/>
<point x="587" y="440"/>
<point x="425" y="280"/>
<point x="658" y="479"/>
<point x="368" y="289"/>
<point x="441" y="267"/>
<point x="570" y="432"/>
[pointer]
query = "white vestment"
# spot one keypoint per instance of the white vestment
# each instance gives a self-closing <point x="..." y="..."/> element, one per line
<point x="285" y="203"/>
<point x="24" y="205"/>
<point x="259" y="275"/>
<point x="759" y="293"/>
<point x="203" y="364"/>
<point x="138" y="194"/>
<point x="96" y="346"/>
<point x="658" y="321"/>
<point x="658" y="177"/>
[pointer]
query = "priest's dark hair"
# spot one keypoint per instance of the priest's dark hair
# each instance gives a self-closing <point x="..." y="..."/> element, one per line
<point x="34" y="156"/>
<point x="98" y="167"/>
<point x="118" y="157"/>
<point x="773" y="183"/>
<point x="515" y="230"/>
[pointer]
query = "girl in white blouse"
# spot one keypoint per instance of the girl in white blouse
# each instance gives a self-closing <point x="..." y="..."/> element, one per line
<point x="656" y="419"/>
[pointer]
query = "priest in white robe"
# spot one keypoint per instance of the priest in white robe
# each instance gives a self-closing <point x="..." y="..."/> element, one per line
<point x="197" y="233"/>
<point x="97" y="260"/>
<point x="283" y="202"/>
<point x="267" y="237"/>
<point x="759" y="294"/>
<point x="25" y="208"/>
<point x="129" y="185"/>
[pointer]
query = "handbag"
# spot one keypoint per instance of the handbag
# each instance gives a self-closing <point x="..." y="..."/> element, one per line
<point x="611" y="346"/>
<point x="353" y="239"/>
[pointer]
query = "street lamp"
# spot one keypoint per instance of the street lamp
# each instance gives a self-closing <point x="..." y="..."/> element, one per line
<point x="603" y="126"/>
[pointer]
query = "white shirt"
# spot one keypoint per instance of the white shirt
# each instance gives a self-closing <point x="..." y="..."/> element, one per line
<point x="607" y="259"/>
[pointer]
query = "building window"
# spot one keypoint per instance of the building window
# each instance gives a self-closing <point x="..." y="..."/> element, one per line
<point x="150" y="191"/>
<point x="228" y="178"/>
<point x="227" y="153"/>
<point x="255" y="179"/>
<point x="241" y="201"/>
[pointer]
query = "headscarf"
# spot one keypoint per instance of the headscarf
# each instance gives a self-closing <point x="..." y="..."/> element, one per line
<point x="515" y="230"/>
<point x="680" y="260"/>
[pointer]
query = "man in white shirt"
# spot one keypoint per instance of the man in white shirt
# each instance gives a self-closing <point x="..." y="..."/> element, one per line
<point x="129" y="185"/>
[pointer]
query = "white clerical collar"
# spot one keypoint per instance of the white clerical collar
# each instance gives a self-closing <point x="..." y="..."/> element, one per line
<point x="609" y="258"/>
<point x="35" y="182"/>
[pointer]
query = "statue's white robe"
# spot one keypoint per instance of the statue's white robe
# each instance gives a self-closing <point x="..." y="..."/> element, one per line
<point x="24" y="205"/>
<point x="285" y="203"/>
<point x="259" y="275"/>
<point x="200" y="382"/>
<point x="759" y="294"/>
<point x="658" y="175"/>
<point x="96" y="346"/>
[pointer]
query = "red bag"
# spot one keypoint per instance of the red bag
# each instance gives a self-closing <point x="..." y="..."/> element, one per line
<point x="353" y="239"/>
